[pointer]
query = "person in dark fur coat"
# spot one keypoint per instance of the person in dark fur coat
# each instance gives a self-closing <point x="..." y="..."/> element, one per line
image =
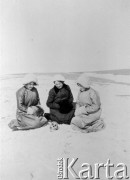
<point x="60" y="101"/>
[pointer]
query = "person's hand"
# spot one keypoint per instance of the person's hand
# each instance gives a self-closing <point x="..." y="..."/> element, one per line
<point x="61" y="100"/>
<point x="80" y="110"/>
<point x="30" y="110"/>
<point x="35" y="108"/>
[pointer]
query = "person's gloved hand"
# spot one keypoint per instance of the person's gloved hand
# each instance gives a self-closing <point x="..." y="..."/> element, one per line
<point x="80" y="110"/>
<point x="30" y="110"/>
<point x="61" y="100"/>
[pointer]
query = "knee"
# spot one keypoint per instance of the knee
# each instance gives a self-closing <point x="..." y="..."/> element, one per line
<point x="75" y="120"/>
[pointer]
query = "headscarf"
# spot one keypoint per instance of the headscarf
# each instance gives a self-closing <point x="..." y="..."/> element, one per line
<point x="58" y="77"/>
<point x="30" y="78"/>
<point x="83" y="80"/>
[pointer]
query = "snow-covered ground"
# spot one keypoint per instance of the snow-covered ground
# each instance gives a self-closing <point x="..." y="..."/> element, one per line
<point x="33" y="154"/>
<point x="116" y="78"/>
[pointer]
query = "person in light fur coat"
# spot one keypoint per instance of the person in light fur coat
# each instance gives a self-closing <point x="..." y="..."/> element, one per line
<point x="88" y="108"/>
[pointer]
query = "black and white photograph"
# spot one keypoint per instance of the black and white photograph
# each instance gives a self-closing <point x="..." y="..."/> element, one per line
<point x="64" y="89"/>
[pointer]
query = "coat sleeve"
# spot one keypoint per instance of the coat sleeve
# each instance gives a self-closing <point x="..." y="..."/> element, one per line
<point x="50" y="101"/>
<point x="20" y="100"/>
<point x="70" y="99"/>
<point x="77" y="101"/>
<point x="39" y="103"/>
<point x="95" y="103"/>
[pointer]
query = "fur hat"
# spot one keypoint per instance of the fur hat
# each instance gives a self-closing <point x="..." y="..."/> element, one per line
<point x="83" y="80"/>
<point x="30" y="78"/>
<point x="58" y="77"/>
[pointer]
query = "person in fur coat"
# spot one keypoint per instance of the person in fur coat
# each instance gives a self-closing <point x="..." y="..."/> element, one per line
<point x="88" y="108"/>
<point x="60" y="101"/>
<point x="29" y="114"/>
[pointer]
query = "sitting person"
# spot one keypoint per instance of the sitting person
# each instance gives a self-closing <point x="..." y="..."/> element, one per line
<point x="60" y="101"/>
<point x="29" y="113"/>
<point x="88" y="108"/>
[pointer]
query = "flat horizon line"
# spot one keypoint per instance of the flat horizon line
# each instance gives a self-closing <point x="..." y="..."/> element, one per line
<point x="127" y="71"/>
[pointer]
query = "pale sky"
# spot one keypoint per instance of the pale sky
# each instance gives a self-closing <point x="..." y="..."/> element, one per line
<point x="64" y="35"/>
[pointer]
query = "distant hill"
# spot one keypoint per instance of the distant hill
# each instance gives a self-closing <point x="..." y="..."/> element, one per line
<point x="75" y="75"/>
<point x="114" y="72"/>
<point x="70" y="75"/>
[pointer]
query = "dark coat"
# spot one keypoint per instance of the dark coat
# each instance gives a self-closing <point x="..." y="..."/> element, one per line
<point x="60" y="102"/>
